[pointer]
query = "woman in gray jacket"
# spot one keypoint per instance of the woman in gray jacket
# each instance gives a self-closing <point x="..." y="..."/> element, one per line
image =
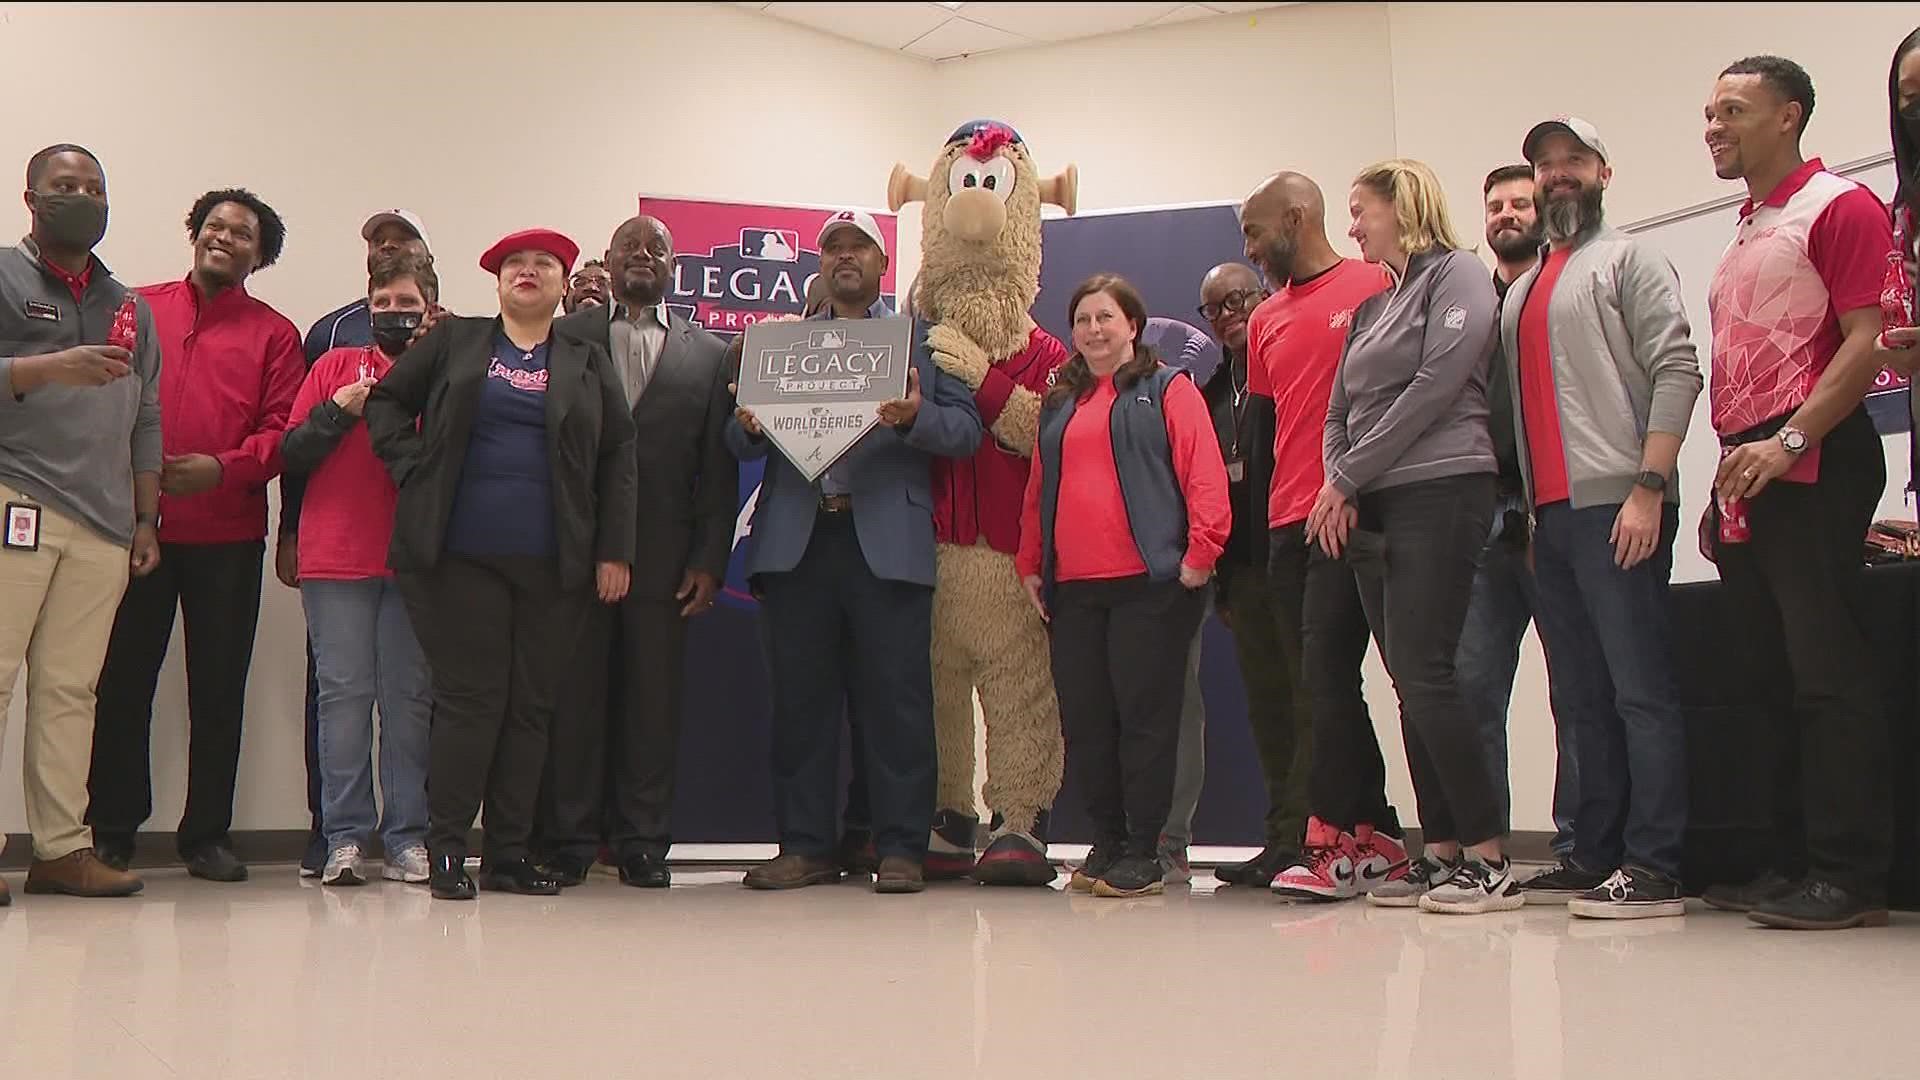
<point x="1409" y="490"/>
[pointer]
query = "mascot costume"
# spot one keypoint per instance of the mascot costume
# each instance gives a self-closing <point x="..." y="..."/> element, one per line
<point x="979" y="274"/>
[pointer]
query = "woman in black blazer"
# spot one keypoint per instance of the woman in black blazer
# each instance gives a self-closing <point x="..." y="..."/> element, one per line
<point x="512" y="448"/>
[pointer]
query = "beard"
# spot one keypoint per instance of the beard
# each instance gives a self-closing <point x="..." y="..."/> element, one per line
<point x="1513" y="245"/>
<point x="1278" y="259"/>
<point x="1566" y="218"/>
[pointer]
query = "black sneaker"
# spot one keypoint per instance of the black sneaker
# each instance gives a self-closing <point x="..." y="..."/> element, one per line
<point x="116" y="852"/>
<point x="1819" y="905"/>
<point x="449" y="880"/>
<point x="1560" y="884"/>
<point x="1631" y="892"/>
<point x="1259" y="871"/>
<point x="216" y="862"/>
<point x="1099" y="860"/>
<point x="1135" y="875"/>
<point x="1771" y="885"/>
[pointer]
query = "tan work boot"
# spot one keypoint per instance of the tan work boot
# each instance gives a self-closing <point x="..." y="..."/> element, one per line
<point x="793" y="872"/>
<point x="81" y="873"/>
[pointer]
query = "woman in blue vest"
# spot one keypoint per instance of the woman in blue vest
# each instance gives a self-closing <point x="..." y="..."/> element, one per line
<point x="1126" y="512"/>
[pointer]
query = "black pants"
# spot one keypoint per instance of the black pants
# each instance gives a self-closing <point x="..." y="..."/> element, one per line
<point x="216" y="587"/>
<point x="616" y="736"/>
<point x="1416" y="598"/>
<point x="1120" y="668"/>
<point x="841" y="641"/>
<point x="1348" y="784"/>
<point x="1793" y="596"/>
<point x="500" y="635"/>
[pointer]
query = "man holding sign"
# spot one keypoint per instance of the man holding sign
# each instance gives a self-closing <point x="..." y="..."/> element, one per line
<point x="843" y="563"/>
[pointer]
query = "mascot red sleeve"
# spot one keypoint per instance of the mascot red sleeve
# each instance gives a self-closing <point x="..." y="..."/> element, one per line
<point x="979" y="274"/>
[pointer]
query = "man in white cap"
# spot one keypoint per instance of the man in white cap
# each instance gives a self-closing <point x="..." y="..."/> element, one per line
<point x="389" y="234"/>
<point x="1604" y="376"/>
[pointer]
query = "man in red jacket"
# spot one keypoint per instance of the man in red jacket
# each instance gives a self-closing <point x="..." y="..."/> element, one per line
<point x="230" y="366"/>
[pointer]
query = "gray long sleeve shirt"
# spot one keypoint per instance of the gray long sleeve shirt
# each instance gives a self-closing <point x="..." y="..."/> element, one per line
<point x="75" y="449"/>
<point x="1410" y="399"/>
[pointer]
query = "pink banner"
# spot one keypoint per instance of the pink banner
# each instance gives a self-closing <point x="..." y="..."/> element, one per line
<point x="738" y="263"/>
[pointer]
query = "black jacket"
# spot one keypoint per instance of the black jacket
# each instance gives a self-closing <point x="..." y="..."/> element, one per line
<point x="1252" y="429"/>
<point x="589" y="444"/>
<point x="688" y="481"/>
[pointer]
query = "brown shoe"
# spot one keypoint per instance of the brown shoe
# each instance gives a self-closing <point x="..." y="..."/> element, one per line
<point x="899" y="874"/>
<point x="81" y="874"/>
<point x="793" y="872"/>
<point x="5" y="896"/>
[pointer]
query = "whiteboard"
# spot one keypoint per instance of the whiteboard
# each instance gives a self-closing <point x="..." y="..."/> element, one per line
<point x="1693" y="241"/>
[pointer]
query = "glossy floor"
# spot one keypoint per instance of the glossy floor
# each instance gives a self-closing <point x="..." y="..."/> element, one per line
<point x="279" y="978"/>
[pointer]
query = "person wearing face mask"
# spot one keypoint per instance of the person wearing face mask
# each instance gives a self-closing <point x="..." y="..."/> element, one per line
<point x="511" y="444"/>
<point x="231" y="368"/>
<point x="616" y="741"/>
<point x="390" y="235"/>
<point x="588" y="287"/>
<point x="1125" y="514"/>
<point x="363" y="644"/>
<point x="80" y="487"/>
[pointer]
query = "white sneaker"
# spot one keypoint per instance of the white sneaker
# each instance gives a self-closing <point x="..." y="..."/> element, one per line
<point x="410" y="865"/>
<point x="1425" y="875"/>
<point x="1475" y="888"/>
<point x="344" y="867"/>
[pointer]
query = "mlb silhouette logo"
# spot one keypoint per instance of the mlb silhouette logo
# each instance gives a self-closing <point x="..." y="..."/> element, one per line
<point x="827" y="339"/>
<point x="770" y="245"/>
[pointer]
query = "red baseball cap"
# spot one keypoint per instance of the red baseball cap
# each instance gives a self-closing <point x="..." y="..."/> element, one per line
<point x="553" y="243"/>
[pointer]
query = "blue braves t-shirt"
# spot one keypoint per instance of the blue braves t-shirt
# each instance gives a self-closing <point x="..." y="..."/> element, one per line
<point x="504" y="505"/>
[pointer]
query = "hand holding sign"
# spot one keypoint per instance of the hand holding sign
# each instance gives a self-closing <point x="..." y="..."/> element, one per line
<point x="900" y="414"/>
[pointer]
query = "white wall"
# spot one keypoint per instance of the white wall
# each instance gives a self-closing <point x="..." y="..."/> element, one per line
<point x="563" y="119"/>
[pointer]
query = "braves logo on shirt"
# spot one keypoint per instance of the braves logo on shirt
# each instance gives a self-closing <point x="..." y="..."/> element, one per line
<point x="531" y="382"/>
<point x="1455" y="318"/>
<point x="1340" y="320"/>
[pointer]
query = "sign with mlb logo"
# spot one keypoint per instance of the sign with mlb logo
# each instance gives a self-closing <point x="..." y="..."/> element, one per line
<point x="770" y="245"/>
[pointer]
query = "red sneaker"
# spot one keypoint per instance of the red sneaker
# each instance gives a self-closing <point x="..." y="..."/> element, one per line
<point x="1327" y="869"/>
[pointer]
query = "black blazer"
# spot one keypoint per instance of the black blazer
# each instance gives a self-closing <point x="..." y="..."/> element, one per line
<point x="689" y="483"/>
<point x="589" y="444"/>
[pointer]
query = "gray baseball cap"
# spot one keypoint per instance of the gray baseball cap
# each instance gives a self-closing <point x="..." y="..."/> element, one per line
<point x="1583" y="133"/>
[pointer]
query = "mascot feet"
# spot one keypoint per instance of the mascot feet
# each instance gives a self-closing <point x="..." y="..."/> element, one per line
<point x="950" y="848"/>
<point x="1016" y="858"/>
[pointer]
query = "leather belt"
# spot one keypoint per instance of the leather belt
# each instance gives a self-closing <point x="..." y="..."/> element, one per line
<point x="836" y="504"/>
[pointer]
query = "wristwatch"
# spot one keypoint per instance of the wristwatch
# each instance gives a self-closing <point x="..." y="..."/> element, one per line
<point x="1793" y="439"/>
<point x="1652" y="481"/>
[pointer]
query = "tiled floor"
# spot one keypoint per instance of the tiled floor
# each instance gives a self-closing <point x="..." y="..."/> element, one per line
<point x="278" y="978"/>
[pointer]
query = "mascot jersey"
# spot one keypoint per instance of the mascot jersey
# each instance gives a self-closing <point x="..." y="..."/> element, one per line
<point x="981" y="496"/>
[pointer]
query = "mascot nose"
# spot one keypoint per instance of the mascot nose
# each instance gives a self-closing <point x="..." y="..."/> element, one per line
<point x="975" y="215"/>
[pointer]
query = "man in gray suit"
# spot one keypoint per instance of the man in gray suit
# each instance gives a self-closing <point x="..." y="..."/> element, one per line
<point x="844" y="568"/>
<point x="610" y="765"/>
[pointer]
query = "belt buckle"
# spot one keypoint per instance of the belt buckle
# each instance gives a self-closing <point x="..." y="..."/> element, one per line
<point x="836" y="504"/>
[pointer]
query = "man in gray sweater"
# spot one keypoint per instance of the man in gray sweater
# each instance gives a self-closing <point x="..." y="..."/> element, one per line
<point x="80" y="482"/>
<point x="1604" y="377"/>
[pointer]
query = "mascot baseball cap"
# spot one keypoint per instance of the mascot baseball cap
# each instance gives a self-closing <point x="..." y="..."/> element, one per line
<point x="546" y="240"/>
<point x="406" y="219"/>
<point x="852" y="219"/>
<point x="1583" y="133"/>
<point x="966" y="132"/>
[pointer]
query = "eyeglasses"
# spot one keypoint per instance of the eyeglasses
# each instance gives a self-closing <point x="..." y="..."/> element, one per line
<point x="1241" y="300"/>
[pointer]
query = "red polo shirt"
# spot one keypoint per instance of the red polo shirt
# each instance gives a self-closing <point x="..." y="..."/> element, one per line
<point x="75" y="283"/>
<point x="1546" y="450"/>
<point x="229" y="370"/>
<point x="979" y="497"/>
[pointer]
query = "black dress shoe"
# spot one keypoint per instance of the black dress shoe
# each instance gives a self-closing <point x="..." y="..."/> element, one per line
<point x="567" y="868"/>
<point x="645" y="871"/>
<point x="1819" y="905"/>
<point x="449" y="880"/>
<point x="114" y="852"/>
<point x="216" y="862"/>
<point x="518" y="876"/>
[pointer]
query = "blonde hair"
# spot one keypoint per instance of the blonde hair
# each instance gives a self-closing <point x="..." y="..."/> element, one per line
<point x="1419" y="203"/>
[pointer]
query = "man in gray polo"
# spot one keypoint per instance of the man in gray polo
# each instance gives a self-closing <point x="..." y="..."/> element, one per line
<point x="80" y="483"/>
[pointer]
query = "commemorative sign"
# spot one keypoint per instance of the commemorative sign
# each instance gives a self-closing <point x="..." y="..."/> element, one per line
<point x="816" y="387"/>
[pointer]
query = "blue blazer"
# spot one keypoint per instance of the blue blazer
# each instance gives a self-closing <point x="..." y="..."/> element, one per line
<point x="891" y="477"/>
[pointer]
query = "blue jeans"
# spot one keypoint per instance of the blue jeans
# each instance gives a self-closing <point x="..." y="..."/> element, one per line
<point x="1606" y="630"/>
<point x="364" y="650"/>
<point x="1503" y="604"/>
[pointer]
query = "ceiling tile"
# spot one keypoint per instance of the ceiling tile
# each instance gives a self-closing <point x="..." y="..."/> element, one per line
<point x="961" y="37"/>
<point x="1186" y="13"/>
<point x="1062" y="22"/>
<point x="890" y="26"/>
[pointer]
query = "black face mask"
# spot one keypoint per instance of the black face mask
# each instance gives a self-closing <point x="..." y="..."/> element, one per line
<point x="393" y="330"/>
<point x="70" y="222"/>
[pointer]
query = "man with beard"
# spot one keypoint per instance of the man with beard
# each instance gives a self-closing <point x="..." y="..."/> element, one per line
<point x="588" y="288"/>
<point x="1504" y="599"/>
<point x="620" y="732"/>
<point x="1294" y="342"/>
<point x="1604" y="378"/>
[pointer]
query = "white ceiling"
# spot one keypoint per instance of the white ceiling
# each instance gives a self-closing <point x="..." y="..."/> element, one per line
<point x="947" y="31"/>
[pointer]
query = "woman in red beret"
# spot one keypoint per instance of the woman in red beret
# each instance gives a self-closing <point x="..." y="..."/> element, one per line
<point x="512" y="449"/>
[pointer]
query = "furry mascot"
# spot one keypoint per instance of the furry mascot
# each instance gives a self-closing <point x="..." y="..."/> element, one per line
<point x="979" y="274"/>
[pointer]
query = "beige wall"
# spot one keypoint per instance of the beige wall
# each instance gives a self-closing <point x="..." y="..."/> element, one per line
<point x="502" y="122"/>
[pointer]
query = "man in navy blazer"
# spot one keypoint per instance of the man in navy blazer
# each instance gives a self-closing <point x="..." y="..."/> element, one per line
<point x="844" y="567"/>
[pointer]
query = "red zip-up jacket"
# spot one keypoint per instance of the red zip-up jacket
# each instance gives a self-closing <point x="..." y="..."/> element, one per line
<point x="229" y="370"/>
<point x="980" y="496"/>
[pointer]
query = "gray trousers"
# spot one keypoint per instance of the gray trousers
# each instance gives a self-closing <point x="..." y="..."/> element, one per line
<point x="1190" y="764"/>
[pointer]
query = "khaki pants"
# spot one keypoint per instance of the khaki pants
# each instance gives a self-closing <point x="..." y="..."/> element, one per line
<point x="56" y="613"/>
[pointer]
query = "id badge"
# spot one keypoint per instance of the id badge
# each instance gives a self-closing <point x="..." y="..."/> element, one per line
<point x="23" y="527"/>
<point x="1236" y="471"/>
